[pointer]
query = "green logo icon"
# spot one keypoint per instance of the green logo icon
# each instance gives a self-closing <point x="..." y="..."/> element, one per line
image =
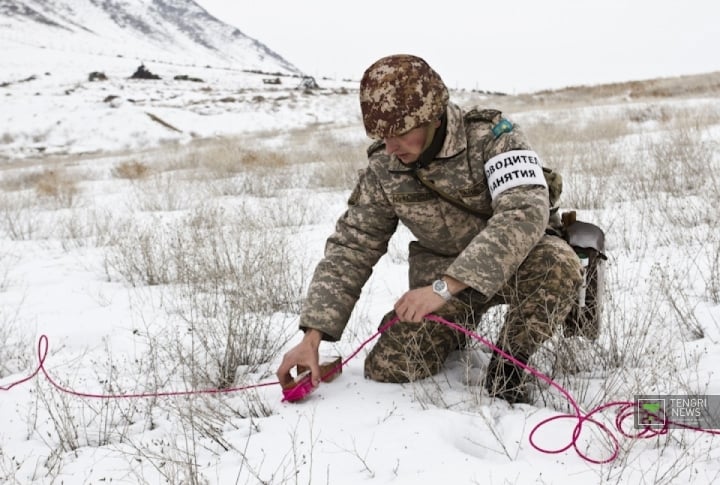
<point x="652" y="409"/>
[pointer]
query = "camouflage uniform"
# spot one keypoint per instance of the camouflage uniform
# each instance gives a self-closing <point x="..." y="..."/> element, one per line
<point x="504" y="255"/>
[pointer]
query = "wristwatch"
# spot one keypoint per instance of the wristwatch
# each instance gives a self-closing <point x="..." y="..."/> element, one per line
<point x="440" y="287"/>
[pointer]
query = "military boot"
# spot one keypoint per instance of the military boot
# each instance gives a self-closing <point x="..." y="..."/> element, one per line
<point x="506" y="380"/>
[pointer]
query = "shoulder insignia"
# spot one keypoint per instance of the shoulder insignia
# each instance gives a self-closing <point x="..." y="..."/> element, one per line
<point x="377" y="145"/>
<point x="487" y="115"/>
<point x="503" y="126"/>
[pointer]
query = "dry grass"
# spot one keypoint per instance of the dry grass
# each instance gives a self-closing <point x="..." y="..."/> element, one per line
<point x="645" y="91"/>
<point x="58" y="185"/>
<point x="131" y="170"/>
<point x="662" y="88"/>
<point x="341" y="162"/>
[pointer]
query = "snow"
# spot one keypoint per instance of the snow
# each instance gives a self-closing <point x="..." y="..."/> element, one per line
<point x="220" y="105"/>
<point x="111" y="336"/>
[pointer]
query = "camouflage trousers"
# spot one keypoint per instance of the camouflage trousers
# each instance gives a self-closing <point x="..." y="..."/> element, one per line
<point x="538" y="297"/>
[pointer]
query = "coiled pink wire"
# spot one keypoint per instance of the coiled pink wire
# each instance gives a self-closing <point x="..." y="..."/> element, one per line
<point x="626" y="409"/>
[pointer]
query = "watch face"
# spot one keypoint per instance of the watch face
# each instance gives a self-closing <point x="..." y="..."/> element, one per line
<point x="439" y="285"/>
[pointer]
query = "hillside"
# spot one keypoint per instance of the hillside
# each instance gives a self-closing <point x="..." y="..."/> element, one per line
<point x="66" y="87"/>
<point x="65" y="69"/>
<point x="161" y="31"/>
<point x="678" y="87"/>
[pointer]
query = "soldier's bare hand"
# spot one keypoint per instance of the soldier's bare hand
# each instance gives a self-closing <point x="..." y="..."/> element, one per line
<point x="306" y="354"/>
<point x="415" y="304"/>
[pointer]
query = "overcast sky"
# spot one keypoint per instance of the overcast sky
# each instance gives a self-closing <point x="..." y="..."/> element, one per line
<point x="510" y="46"/>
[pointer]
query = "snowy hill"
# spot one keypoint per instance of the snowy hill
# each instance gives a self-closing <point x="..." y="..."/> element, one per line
<point x="65" y="86"/>
<point x="177" y="31"/>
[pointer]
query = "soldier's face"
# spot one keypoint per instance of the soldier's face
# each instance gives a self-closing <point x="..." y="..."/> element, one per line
<point x="408" y="146"/>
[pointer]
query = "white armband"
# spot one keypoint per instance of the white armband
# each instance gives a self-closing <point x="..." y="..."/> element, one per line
<point x="513" y="169"/>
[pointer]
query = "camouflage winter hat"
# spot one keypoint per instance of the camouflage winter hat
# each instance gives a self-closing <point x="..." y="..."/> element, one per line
<point x="399" y="93"/>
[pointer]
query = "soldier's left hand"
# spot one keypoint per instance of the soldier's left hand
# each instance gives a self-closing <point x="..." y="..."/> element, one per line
<point x="415" y="304"/>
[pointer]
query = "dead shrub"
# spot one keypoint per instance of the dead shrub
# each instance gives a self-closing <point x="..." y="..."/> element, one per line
<point x="683" y="162"/>
<point x="342" y="161"/>
<point x="130" y="170"/>
<point x="650" y="112"/>
<point x="57" y="185"/>
<point x="15" y="181"/>
<point x="265" y="158"/>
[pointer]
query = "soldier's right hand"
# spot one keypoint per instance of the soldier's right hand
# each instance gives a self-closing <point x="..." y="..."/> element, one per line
<point x="305" y="354"/>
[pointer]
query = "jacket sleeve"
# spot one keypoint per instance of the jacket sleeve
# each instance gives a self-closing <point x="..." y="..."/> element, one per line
<point x="520" y="217"/>
<point x="361" y="237"/>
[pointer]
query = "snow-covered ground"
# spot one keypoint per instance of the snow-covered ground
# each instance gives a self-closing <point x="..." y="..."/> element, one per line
<point x="50" y="106"/>
<point x="77" y="239"/>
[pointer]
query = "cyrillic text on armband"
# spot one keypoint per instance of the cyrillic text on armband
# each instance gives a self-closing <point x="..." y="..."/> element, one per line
<point x="513" y="169"/>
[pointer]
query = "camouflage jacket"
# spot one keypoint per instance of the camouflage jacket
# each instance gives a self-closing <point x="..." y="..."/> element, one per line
<point x="485" y="250"/>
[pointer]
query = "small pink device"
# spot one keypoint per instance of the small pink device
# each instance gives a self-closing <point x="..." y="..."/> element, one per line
<point x="302" y="386"/>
